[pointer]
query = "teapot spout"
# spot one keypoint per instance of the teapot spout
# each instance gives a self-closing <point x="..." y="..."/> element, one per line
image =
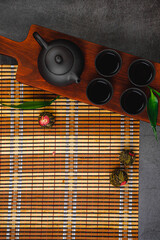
<point x="73" y="77"/>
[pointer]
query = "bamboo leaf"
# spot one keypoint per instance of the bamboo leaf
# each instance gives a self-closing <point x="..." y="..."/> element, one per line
<point x="154" y="90"/>
<point x="152" y="110"/>
<point x="30" y="104"/>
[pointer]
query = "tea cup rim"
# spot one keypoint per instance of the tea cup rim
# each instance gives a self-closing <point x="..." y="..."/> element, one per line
<point x="103" y="80"/>
<point x="144" y="60"/>
<point x="133" y="88"/>
<point x="108" y="50"/>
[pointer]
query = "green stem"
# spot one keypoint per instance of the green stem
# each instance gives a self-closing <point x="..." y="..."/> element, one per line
<point x="55" y="99"/>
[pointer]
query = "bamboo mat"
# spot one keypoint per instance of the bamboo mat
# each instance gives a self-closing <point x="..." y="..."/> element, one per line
<point x="55" y="182"/>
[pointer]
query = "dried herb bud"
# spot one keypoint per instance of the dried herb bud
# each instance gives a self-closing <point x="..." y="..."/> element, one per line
<point x="127" y="157"/>
<point x="46" y="119"/>
<point x="118" y="178"/>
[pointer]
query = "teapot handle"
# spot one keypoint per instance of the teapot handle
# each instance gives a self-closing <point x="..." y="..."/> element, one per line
<point x="40" y="40"/>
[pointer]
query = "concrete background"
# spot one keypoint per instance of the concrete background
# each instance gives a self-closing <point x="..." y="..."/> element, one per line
<point x="126" y="25"/>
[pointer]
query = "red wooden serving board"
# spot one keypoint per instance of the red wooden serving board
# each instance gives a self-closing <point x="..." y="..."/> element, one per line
<point x="26" y="53"/>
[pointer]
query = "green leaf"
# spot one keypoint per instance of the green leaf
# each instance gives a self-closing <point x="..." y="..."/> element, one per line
<point x="152" y="110"/>
<point x="154" y="90"/>
<point x="31" y="104"/>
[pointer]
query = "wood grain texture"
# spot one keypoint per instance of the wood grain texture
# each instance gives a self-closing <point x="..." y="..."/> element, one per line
<point x="26" y="54"/>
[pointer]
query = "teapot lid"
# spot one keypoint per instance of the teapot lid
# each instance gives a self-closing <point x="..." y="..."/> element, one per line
<point x="59" y="60"/>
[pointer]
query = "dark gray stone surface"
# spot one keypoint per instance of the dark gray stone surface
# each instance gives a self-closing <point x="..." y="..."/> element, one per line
<point x="126" y="25"/>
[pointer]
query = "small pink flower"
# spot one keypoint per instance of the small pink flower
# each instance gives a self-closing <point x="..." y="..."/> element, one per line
<point x="53" y="153"/>
<point x="44" y="120"/>
<point x="123" y="183"/>
<point x="131" y="154"/>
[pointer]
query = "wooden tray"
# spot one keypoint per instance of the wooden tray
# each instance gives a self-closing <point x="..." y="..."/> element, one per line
<point x="26" y="54"/>
<point x="65" y="195"/>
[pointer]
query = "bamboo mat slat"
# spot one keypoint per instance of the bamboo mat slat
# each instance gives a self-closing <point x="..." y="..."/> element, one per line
<point x="54" y="183"/>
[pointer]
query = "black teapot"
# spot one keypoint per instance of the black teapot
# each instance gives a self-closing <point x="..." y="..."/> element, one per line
<point x="60" y="61"/>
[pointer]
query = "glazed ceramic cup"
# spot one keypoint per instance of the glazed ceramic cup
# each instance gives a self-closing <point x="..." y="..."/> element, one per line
<point x="141" y="72"/>
<point x="108" y="63"/>
<point x="133" y="101"/>
<point x="99" y="91"/>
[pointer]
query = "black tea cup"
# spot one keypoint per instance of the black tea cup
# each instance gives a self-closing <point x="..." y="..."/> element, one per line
<point x="108" y="63"/>
<point x="99" y="91"/>
<point x="141" y="72"/>
<point x="133" y="101"/>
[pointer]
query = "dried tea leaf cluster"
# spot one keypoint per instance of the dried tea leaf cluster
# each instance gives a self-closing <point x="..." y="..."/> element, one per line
<point x="119" y="177"/>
